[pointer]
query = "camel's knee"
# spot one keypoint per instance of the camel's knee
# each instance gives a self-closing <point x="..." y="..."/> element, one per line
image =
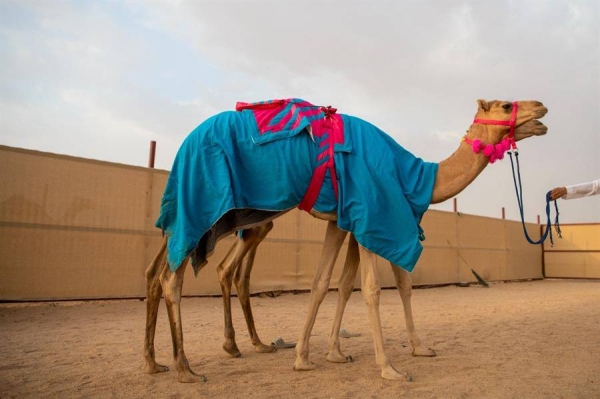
<point x="371" y="294"/>
<point x="405" y="286"/>
<point x="172" y="282"/>
<point x="172" y="294"/>
<point x="405" y="291"/>
<point x="320" y="288"/>
<point x="405" y="295"/>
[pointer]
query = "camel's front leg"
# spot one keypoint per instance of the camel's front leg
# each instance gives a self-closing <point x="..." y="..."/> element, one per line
<point x="153" y="294"/>
<point x="171" y="284"/>
<point x="242" y="283"/>
<point x="346" y="286"/>
<point x="371" y="291"/>
<point x="404" y="284"/>
<point x="334" y="238"/>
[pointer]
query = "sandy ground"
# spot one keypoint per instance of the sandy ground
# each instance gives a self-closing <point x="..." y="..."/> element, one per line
<point x="537" y="339"/>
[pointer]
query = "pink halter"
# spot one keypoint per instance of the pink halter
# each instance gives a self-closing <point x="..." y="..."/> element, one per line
<point x="496" y="151"/>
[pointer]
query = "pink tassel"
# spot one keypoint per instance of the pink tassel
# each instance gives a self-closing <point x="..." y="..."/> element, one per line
<point x="488" y="150"/>
<point x="493" y="152"/>
<point x="476" y="146"/>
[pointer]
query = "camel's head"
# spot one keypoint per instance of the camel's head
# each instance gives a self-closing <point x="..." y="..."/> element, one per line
<point x="526" y="119"/>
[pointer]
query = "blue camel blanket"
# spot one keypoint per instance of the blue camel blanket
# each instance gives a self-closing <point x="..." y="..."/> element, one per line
<point x="261" y="159"/>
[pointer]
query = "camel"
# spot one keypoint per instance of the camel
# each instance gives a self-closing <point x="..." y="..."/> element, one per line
<point x="496" y="127"/>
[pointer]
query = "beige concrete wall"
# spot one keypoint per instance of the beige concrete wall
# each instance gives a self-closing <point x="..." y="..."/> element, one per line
<point x="576" y="255"/>
<point x="77" y="228"/>
<point x="71" y="227"/>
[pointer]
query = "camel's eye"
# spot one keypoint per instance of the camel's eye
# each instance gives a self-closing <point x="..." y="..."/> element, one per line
<point x="506" y="106"/>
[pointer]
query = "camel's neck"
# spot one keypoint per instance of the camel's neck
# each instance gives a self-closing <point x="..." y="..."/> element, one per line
<point x="458" y="171"/>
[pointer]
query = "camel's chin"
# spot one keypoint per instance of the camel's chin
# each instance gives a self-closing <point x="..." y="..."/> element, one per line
<point x="530" y="128"/>
<point x="540" y="129"/>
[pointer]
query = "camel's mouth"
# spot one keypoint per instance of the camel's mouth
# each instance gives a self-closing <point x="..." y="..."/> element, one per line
<point x="540" y="112"/>
<point x="534" y="110"/>
<point x="530" y="128"/>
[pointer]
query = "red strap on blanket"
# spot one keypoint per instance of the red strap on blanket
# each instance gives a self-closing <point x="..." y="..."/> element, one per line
<point x="333" y="126"/>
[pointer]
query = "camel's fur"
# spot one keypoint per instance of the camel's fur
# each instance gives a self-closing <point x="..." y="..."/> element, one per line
<point x="454" y="174"/>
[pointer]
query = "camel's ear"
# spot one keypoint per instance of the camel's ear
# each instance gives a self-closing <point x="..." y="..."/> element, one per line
<point x="483" y="105"/>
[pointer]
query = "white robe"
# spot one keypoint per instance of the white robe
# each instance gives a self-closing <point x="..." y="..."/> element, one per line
<point x="583" y="189"/>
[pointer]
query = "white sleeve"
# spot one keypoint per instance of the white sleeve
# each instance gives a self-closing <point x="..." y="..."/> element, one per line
<point x="583" y="189"/>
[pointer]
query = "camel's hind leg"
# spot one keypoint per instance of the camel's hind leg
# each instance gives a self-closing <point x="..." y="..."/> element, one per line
<point x="171" y="283"/>
<point x="232" y="266"/>
<point x="346" y="286"/>
<point x="334" y="239"/>
<point x="159" y="279"/>
<point x="153" y="295"/>
<point x="371" y="290"/>
<point x="404" y="284"/>
<point x="242" y="283"/>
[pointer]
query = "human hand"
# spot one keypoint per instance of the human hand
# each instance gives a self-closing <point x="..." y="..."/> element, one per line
<point x="558" y="192"/>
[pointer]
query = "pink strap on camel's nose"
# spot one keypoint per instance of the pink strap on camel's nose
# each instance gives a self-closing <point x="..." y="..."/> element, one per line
<point x="511" y="122"/>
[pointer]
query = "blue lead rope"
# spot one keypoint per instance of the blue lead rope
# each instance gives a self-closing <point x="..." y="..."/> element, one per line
<point x="519" y="190"/>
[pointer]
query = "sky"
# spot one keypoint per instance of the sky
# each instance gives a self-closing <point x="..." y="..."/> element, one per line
<point x="101" y="79"/>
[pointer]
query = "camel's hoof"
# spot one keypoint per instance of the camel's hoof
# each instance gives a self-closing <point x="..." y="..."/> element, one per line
<point x="262" y="348"/>
<point x="424" y="352"/>
<point x="155" y="368"/>
<point x="232" y="349"/>
<point x="304" y="365"/>
<point x="191" y="378"/>
<point x="339" y="358"/>
<point x="390" y="373"/>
